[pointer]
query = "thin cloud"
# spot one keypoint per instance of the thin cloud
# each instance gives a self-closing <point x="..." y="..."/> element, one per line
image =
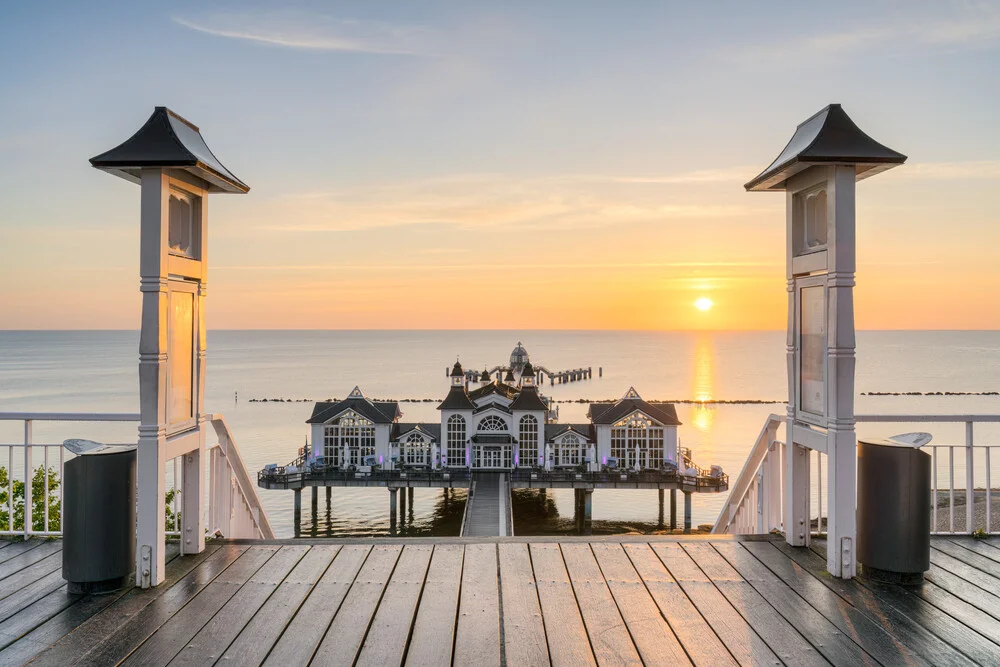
<point x="478" y="266"/>
<point x="974" y="170"/>
<point x="315" y="33"/>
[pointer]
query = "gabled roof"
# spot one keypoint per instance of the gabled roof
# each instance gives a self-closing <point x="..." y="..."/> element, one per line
<point x="499" y="407"/>
<point x="828" y="137"/>
<point x="553" y="431"/>
<point x="400" y="430"/>
<point x="379" y="412"/>
<point x="167" y="140"/>
<point x="609" y="413"/>
<point x="495" y="387"/>
<point x="457" y="399"/>
<point x="528" y="399"/>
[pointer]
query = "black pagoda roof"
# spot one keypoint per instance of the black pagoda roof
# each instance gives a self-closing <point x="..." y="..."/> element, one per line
<point x="457" y="399"/>
<point x="528" y="399"/>
<point x="379" y="412"/>
<point x="609" y="413"/>
<point x="827" y="137"/>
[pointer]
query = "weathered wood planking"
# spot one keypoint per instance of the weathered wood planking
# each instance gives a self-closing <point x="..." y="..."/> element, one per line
<point x="564" y="629"/>
<point x="17" y="565"/>
<point x="609" y="637"/>
<point x="168" y="640"/>
<point x="30" y="592"/>
<point x="828" y="638"/>
<point x="477" y="635"/>
<point x="523" y="625"/>
<point x="434" y="628"/>
<point x="854" y="623"/>
<point x="15" y="549"/>
<point x="216" y="635"/>
<point x="310" y="619"/>
<point x="739" y="637"/>
<point x="256" y="640"/>
<point x="969" y="565"/>
<point x="700" y="642"/>
<point x="386" y="641"/>
<point x="990" y="548"/>
<point x="653" y="637"/>
<point x="127" y="636"/>
<point x="343" y="639"/>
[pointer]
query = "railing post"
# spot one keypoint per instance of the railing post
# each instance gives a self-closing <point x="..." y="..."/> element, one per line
<point x="796" y="495"/>
<point x="970" y="481"/>
<point x="192" y="496"/>
<point x="27" y="478"/>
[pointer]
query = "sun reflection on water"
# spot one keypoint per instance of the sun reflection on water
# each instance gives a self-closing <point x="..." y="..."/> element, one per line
<point x="703" y="382"/>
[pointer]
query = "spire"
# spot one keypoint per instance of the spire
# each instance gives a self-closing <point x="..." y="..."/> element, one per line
<point x="356" y="393"/>
<point x="631" y="394"/>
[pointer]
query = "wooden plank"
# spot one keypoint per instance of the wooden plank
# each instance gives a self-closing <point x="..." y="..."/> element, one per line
<point x="945" y="551"/>
<point x="59" y="613"/>
<point x="126" y="635"/>
<point x="961" y="588"/>
<point x="879" y="640"/>
<point x="477" y="637"/>
<point x="523" y="627"/>
<point x="696" y="636"/>
<point x="655" y="641"/>
<point x="609" y="637"/>
<point x="30" y="574"/>
<point x="168" y="640"/>
<point x="386" y="641"/>
<point x="213" y="639"/>
<point x="989" y="548"/>
<point x="347" y="632"/>
<point x="434" y="629"/>
<point x="15" y="549"/>
<point x="30" y="594"/>
<point x="739" y="637"/>
<point x="256" y="640"/>
<point x="918" y="624"/>
<point x="840" y="641"/>
<point x="11" y="568"/>
<point x="564" y="629"/>
<point x="305" y="631"/>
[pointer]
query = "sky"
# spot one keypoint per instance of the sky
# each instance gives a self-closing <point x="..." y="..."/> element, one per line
<point x="559" y="165"/>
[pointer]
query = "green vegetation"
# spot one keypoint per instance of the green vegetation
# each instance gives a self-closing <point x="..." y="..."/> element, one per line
<point x="38" y="492"/>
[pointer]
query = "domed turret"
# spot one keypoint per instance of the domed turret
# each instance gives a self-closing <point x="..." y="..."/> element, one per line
<point x="457" y="375"/>
<point x="528" y="375"/>
<point x="485" y="377"/>
<point x="518" y="358"/>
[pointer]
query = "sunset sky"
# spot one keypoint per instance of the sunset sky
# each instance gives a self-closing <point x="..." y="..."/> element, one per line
<point x="576" y="165"/>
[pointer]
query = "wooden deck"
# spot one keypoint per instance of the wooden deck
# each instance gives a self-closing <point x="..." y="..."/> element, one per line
<point x="519" y="601"/>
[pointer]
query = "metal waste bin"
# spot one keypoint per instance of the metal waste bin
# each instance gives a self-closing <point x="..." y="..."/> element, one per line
<point x="894" y="500"/>
<point x="99" y="517"/>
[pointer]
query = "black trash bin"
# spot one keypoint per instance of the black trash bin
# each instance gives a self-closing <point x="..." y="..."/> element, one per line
<point x="99" y="517"/>
<point x="894" y="500"/>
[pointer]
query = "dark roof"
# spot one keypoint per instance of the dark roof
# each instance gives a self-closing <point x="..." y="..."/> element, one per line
<point x="167" y="140"/>
<point x="380" y="412"/>
<point x="491" y="406"/>
<point x="528" y="369"/>
<point x="609" y="413"/>
<point x="828" y="137"/>
<point x="457" y="399"/>
<point x="456" y="371"/>
<point x="528" y="399"/>
<point x="495" y="387"/>
<point x="401" y="429"/>
<point x="509" y="377"/>
<point x="555" y="430"/>
<point x="485" y="377"/>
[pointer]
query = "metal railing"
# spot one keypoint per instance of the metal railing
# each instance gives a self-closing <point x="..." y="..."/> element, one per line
<point x="232" y="505"/>
<point x="756" y="504"/>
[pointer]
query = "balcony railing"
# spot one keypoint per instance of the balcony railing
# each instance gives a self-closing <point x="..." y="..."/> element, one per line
<point x="757" y="501"/>
<point x="232" y="504"/>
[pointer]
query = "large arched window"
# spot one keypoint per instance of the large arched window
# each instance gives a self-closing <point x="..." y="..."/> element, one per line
<point x="348" y="439"/>
<point x="456" y="441"/>
<point x="528" y="441"/>
<point x="492" y="423"/>
<point x="416" y="450"/>
<point x="637" y="441"/>
<point x="569" y="451"/>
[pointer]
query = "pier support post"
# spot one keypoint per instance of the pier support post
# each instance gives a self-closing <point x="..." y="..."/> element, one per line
<point x="673" y="509"/>
<point x="329" y="491"/>
<point x="402" y="506"/>
<point x="297" y="511"/>
<point x="409" y="492"/>
<point x="588" y="504"/>
<point x="659" y="523"/>
<point x="315" y="498"/>
<point x="687" y="512"/>
<point x="392" y="511"/>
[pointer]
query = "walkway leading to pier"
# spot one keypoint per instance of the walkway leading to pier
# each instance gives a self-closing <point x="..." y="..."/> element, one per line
<point x="519" y="601"/>
<point x="487" y="512"/>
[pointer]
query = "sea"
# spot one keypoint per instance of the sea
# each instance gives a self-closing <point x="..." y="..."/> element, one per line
<point x="97" y="371"/>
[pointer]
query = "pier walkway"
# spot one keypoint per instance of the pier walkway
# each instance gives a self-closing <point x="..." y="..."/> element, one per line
<point x="710" y="600"/>
<point x="487" y="511"/>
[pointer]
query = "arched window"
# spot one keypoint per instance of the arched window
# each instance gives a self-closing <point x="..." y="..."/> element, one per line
<point x="637" y="441"/>
<point x="528" y="441"/>
<point x="348" y="439"/>
<point x="492" y="423"/>
<point x="415" y="450"/>
<point x="456" y="441"/>
<point x="569" y="451"/>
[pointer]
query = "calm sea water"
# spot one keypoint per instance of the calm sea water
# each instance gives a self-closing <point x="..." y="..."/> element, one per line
<point x="96" y="371"/>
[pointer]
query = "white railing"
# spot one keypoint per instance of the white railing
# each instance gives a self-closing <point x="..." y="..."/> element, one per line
<point x="756" y="502"/>
<point x="232" y="504"/>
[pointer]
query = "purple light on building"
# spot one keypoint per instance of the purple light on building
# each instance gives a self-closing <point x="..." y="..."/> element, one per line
<point x="467" y="458"/>
<point x="605" y="460"/>
<point x="380" y="459"/>
<point x="516" y="456"/>
<point x="541" y="459"/>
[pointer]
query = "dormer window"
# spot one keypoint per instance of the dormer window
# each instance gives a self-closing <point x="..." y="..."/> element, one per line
<point x="183" y="227"/>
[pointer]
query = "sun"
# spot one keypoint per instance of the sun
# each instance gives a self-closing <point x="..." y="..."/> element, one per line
<point x="703" y="304"/>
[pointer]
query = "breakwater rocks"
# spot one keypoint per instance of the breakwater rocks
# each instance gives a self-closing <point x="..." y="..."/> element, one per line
<point x="930" y="393"/>
<point x="693" y="401"/>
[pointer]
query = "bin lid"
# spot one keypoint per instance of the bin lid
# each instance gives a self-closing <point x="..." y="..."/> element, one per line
<point x="914" y="440"/>
<point x="89" y="447"/>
